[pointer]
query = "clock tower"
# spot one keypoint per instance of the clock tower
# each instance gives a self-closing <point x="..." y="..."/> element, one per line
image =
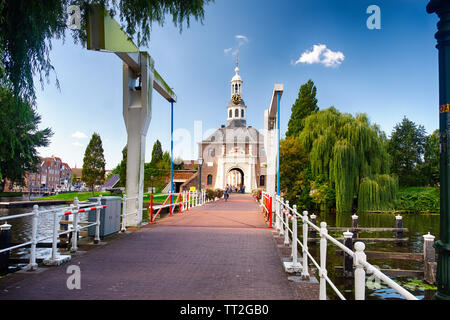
<point x="236" y="109"/>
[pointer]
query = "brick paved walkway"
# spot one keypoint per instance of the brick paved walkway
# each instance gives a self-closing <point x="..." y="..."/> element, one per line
<point x="222" y="250"/>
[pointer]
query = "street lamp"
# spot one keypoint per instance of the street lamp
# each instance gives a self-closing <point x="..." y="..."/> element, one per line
<point x="200" y="162"/>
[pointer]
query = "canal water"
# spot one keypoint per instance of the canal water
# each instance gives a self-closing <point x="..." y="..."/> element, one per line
<point x="417" y="225"/>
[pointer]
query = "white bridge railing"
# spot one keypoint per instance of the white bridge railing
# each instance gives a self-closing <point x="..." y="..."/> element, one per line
<point x="75" y="210"/>
<point x="284" y="213"/>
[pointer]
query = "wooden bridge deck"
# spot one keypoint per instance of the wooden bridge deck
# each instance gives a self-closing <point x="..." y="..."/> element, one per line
<point x="222" y="250"/>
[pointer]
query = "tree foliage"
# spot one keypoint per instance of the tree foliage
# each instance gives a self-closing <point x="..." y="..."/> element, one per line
<point x="431" y="166"/>
<point x="27" y="29"/>
<point x="305" y="104"/>
<point x="157" y="153"/>
<point x="93" y="172"/>
<point x="349" y="155"/>
<point x="19" y="137"/>
<point x="407" y="147"/>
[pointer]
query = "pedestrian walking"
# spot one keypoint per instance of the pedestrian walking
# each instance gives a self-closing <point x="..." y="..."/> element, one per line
<point x="226" y="193"/>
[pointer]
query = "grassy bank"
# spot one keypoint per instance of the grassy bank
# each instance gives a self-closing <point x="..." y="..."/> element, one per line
<point x="69" y="196"/>
<point x="10" y="194"/>
<point x="417" y="200"/>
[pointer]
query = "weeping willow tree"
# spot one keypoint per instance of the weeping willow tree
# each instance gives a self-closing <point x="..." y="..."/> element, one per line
<point x="351" y="155"/>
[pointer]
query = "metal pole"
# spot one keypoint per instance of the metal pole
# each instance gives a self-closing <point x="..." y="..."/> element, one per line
<point x="442" y="9"/>
<point x="281" y="215"/>
<point x="286" y="234"/>
<point x="278" y="153"/>
<point x="124" y="212"/>
<point x="305" y="272"/>
<point x="171" y="149"/>
<point x="323" y="261"/>
<point x="97" y="223"/>
<point x="294" y="238"/>
<point x="74" y="247"/>
<point x="32" y="265"/>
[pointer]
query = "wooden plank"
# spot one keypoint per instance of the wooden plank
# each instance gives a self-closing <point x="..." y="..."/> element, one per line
<point x="389" y="255"/>
<point x="343" y="229"/>
<point x="394" y="272"/>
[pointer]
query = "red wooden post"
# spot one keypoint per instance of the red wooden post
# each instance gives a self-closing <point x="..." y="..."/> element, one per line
<point x="180" y="201"/>
<point x="187" y="203"/>
<point x="270" y="212"/>
<point x="151" y="208"/>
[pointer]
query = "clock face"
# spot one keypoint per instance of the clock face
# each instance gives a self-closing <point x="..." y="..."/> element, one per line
<point x="236" y="98"/>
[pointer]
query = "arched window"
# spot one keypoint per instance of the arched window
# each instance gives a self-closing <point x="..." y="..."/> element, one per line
<point x="262" y="180"/>
<point x="236" y="113"/>
<point x="209" y="180"/>
<point x="231" y="114"/>
<point x="242" y="113"/>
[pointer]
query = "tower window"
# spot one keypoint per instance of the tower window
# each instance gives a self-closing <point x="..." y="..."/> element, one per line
<point x="242" y="113"/>
<point x="209" y="180"/>
<point x="231" y="114"/>
<point x="236" y="113"/>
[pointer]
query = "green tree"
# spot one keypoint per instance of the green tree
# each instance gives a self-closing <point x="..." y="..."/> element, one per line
<point x="27" y="29"/>
<point x="157" y="153"/>
<point x="19" y="138"/>
<point x="294" y="173"/>
<point x="431" y="166"/>
<point x="123" y="168"/>
<point x="407" y="147"/>
<point x="93" y="172"/>
<point x="348" y="154"/>
<point x="305" y="104"/>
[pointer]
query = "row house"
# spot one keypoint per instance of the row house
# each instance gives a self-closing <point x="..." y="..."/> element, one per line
<point x="53" y="175"/>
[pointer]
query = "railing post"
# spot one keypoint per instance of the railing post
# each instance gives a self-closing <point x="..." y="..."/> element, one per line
<point x="305" y="271"/>
<point x="124" y="212"/>
<point x="55" y="235"/>
<point x="270" y="212"/>
<point x="55" y="258"/>
<point x="32" y="265"/>
<point x="348" y="259"/>
<point x="360" y="273"/>
<point x="281" y="212"/>
<point x="323" y="261"/>
<point x="97" y="223"/>
<point x="286" y="234"/>
<point x="151" y="208"/>
<point x="171" y="206"/>
<point x="355" y="225"/>
<point x="189" y="200"/>
<point x="74" y="247"/>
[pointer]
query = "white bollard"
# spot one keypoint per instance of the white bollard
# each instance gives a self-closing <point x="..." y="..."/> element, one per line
<point x="360" y="273"/>
<point x="124" y="212"/>
<point x="32" y="265"/>
<point x="74" y="247"/>
<point x="305" y="272"/>
<point x="323" y="261"/>
<point x="97" y="221"/>
<point x="281" y="226"/>
<point x="286" y="233"/>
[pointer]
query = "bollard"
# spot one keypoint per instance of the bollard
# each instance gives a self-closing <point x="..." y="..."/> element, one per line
<point x="429" y="259"/>
<point x="124" y="211"/>
<point x="399" y="225"/>
<point x="355" y="225"/>
<point x="286" y="233"/>
<point x="314" y="222"/>
<point x="32" y="265"/>
<point x="360" y="273"/>
<point x="281" y="215"/>
<point x="97" y="222"/>
<point x="74" y="247"/>
<point x="305" y="272"/>
<point x="5" y="242"/>
<point x="348" y="259"/>
<point x="323" y="261"/>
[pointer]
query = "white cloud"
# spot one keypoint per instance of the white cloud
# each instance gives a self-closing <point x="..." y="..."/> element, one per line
<point x="79" y="135"/>
<point x="77" y="144"/>
<point x="321" y="54"/>
<point x="241" y="37"/>
<point x="227" y="51"/>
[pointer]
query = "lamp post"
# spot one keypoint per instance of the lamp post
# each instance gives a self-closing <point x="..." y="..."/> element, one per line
<point x="200" y="162"/>
<point x="442" y="9"/>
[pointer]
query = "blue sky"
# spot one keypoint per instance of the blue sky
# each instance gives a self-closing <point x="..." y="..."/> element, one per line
<point x="387" y="73"/>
